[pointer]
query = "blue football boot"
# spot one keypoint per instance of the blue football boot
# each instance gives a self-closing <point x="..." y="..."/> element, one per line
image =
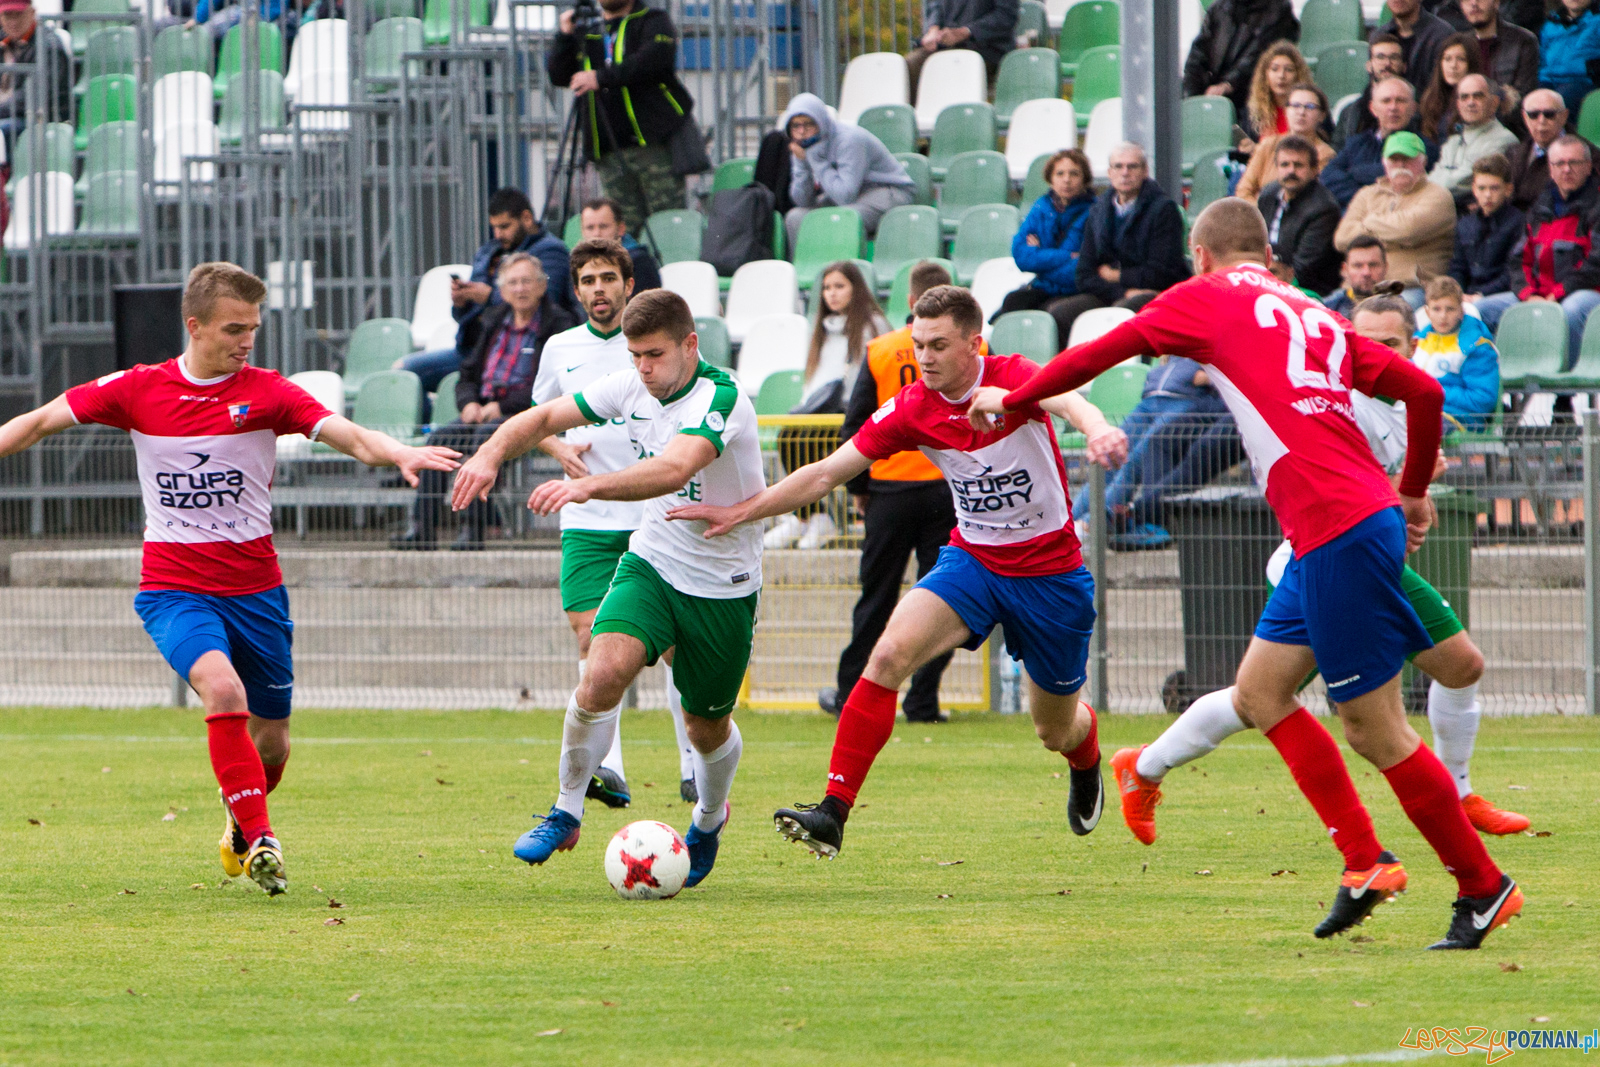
<point x="556" y="832"/>
<point x="703" y="848"/>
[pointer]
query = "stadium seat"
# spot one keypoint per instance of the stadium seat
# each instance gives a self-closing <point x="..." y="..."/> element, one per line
<point x="1096" y="322"/>
<point x="319" y="73"/>
<point x="1055" y="12"/>
<point x="1342" y="69"/>
<point x="733" y="174"/>
<point x="378" y="10"/>
<point x="270" y="106"/>
<point x="325" y="388"/>
<point x="1116" y="391"/>
<point x="108" y="98"/>
<point x="893" y="124"/>
<point x="111" y="205"/>
<point x="1210" y="182"/>
<point x="390" y="401"/>
<point x="776" y="342"/>
<point x="1325" y="22"/>
<point x="697" y="283"/>
<point x="1028" y="333"/>
<point x="1039" y="128"/>
<point x="1589" y="116"/>
<point x="1532" y="339"/>
<point x="1025" y="74"/>
<point x="974" y="178"/>
<point x="826" y="234"/>
<point x="42" y="203"/>
<point x="1033" y="24"/>
<point x="1089" y="24"/>
<point x="906" y="234"/>
<point x="762" y="288"/>
<point x="82" y="31"/>
<point x="1104" y="134"/>
<point x="675" y="235"/>
<point x="431" y="307"/>
<point x="231" y="60"/>
<point x="373" y="347"/>
<point x="444" y="400"/>
<point x="174" y="144"/>
<point x="780" y="392"/>
<point x="182" y="97"/>
<point x="541" y="18"/>
<point x="178" y="48"/>
<point x="873" y="79"/>
<point x="992" y="280"/>
<point x="437" y="28"/>
<point x="1034" y="185"/>
<point x="113" y="146"/>
<point x="385" y="44"/>
<point x="960" y="128"/>
<point x="57" y="155"/>
<point x="1099" y="78"/>
<point x="1340" y="104"/>
<point x="111" y="50"/>
<point x="1207" y="127"/>
<point x="898" y="307"/>
<point x="921" y="176"/>
<point x="985" y="233"/>
<point x="954" y="76"/>
<point x="572" y="230"/>
<point x="715" y="348"/>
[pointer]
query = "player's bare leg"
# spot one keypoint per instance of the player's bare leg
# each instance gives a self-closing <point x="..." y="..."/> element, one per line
<point x="239" y="770"/>
<point x="1456" y="665"/>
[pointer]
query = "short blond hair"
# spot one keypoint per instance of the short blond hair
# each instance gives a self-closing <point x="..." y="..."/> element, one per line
<point x="1230" y="227"/>
<point x="210" y="282"/>
<point x="1442" y="288"/>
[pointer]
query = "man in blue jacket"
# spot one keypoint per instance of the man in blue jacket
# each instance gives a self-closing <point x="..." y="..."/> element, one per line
<point x="1360" y="162"/>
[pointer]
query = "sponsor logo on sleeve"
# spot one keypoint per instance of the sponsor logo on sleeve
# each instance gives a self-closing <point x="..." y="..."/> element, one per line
<point x="885" y="411"/>
<point x="714" y="421"/>
<point x="107" y="379"/>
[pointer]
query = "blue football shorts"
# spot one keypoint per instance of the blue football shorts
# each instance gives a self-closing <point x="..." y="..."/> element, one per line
<point x="253" y="631"/>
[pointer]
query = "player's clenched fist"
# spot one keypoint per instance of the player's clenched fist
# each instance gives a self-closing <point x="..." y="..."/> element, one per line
<point x="553" y="496"/>
<point x="718" y="520"/>
<point x="1107" y="447"/>
<point x="1420" y="518"/>
<point x="426" y="457"/>
<point x="473" y="481"/>
<point x="989" y="401"/>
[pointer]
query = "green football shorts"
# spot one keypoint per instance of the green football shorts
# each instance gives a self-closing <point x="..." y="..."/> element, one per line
<point x="1437" y="616"/>
<point x="588" y="560"/>
<point x="712" y="637"/>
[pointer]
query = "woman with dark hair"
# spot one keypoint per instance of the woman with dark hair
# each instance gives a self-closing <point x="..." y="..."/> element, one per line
<point x="1458" y="57"/>
<point x="1266" y="114"/>
<point x="1047" y="242"/>
<point x="1307" y="111"/>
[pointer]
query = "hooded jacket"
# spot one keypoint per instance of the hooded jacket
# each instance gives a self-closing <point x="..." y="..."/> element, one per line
<point x="1146" y="245"/>
<point x="1488" y="250"/>
<point x="1566" y="45"/>
<point x="843" y="162"/>
<point x="1561" y="254"/>
<point x="640" y="94"/>
<point x="1468" y="368"/>
<point x="1233" y="34"/>
<point x="1054" y="260"/>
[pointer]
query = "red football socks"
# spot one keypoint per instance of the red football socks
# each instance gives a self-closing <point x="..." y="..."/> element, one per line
<point x="274" y="773"/>
<point x="1318" y="768"/>
<point x="1087" y="754"/>
<point x="865" y="725"/>
<point x="238" y="769"/>
<point x="1428" y="794"/>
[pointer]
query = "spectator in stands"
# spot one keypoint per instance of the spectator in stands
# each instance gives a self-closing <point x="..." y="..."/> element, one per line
<point x="1301" y="219"/>
<point x="1132" y="244"/>
<point x="1360" y="162"/>
<point x="1384" y="60"/>
<point x="1561" y="249"/>
<point x="1280" y="68"/>
<point x="220" y="16"/>
<point x="21" y="45"/>
<point x="1050" y="237"/>
<point x="1510" y="53"/>
<point x="512" y="228"/>
<point x="1421" y="36"/>
<point x="1458" y="58"/>
<point x="1545" y="116"/>
<point x="1307" y="110"/>
<point x="1457" y="349"/>
<point x="602" y="221"/>
<point x="636" y="108"/>
<point x="1478" y="135"/>
<point x="987" y="27"/>
<point x="905" y="508"/>
<point x="496" y="382"/>
<point x="1365" y="263"/>
<point x="836" y="164"/>
<point x="1413" y="217"/>
<point x="1233" y="35"/>
<point x="1569" y="42"/>
<point x="1489" y="236"/>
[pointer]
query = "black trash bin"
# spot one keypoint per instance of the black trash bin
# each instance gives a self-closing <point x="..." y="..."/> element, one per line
<point x="1225" y="535"/>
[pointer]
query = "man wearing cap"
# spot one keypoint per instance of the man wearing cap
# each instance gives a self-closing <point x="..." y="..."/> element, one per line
<point x="1360" y="162"/>
<point x="1413" y="217"/>
<point x="21" y="45"/>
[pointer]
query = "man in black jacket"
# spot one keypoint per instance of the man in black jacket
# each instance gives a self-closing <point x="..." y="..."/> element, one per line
<point x="1384" y="60"/>
<point x="636" y="103"/>
<point x="21" y="45"/>
<point x="1510" y="53"/>
<point x="602" y="221"/>
<point x="1489" y="237"/>
<point x="1421" y="35"/>
<point x="1301" y="217"/>
<point x="1232" y="37"/>
<point x="987" y="27"/>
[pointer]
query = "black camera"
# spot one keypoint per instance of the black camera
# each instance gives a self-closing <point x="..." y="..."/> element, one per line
<point x="587" y="19"/>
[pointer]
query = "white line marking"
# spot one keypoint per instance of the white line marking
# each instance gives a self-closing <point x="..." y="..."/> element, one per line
<point x="1396" y="1056"/>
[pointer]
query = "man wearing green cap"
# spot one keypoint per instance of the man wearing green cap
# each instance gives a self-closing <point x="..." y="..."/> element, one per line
<point x="1393" y="107"/>
<point x="1413" y="217"/>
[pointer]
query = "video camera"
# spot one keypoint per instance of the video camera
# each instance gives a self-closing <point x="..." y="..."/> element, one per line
<point x="587" y="18"/>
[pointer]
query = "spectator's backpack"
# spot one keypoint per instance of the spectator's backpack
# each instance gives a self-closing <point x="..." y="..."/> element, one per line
<point x="739" y="228"/>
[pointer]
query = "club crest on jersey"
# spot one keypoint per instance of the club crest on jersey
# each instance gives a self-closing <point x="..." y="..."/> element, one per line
<point x="238" y="412"/>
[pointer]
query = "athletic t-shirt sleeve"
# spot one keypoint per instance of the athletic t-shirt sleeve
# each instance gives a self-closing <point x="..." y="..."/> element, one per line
<point x="1179" y="322"/>
<point x="104" y="401"/>
<point x="295" y="410"/>
<point x="546" y="382"/>
<point x="887" y="431"/>
<point x="1079" y="366"/>
<point x="606" y="398"/>
<point x="719" y="413"/>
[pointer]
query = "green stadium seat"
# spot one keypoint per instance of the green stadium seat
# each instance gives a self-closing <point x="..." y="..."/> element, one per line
<point x="111" y="205"/>
<point x="960" y="128"/>
<point x="1207" y="127"/>
<point x="1116" y="391"/>
<point x="826" y="234"/>
<point x="1532" y="339"/>
<point x="974" y="178"/>
<point x="1589" y="116"/>
<point x="178" y="48"/>
<point x="1025" y="74"/>
<point x="269" y="105"/>
<point x="385" y="44"/>
<point x="921" y="176"/>
<point x="733" y="174"/>
<point x="107" y="98"/>
<point x="906" y="234"/>
<point x="58" y="152"/>
<point x="1030" y="333"/>
<point x="444" y="400"/>
<point x="378" y="10"/>
<point x="1584" y="375"/>
<point x="1033" y="24"/>
<point x="780" y="391"/>
<point x="390" y="401"/>
<point x="112" y="50"/>
<point x="572" y="232"/>
<point x="985" y="233"/>
<point x="231" y="59"/>
<point x="715" y="347"/>
<point x="1034" y="186"/>
<point x="898" y="306"/>
<point x="373" y="348"/>
<point x="893" y="124"/>
<point x="1342" y="69"/>
<point x="1325" y="22"/>
<point x="436" y="16"/>
<point x="1099" y="78"/>
<point x="113" y="147"/>
<point x="1089" y="24"/>
<point x="1210" y="182"/>
<point x="82" y="31"/>
<point x="676" y="235"/>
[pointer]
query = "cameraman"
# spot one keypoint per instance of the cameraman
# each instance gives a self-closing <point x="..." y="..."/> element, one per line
<point x="635" y="102"/>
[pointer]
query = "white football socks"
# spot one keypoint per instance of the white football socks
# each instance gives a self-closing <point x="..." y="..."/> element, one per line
<point x="585" y="736"/>
<point x="1207" y="723"/>
<point x="613" y="759"/>
<point x="685" y="750"/>
<point x="713" y="776"/>
<point x="1454" y="715"/>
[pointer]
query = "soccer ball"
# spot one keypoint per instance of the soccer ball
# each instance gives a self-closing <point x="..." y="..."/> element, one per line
<point x="647" y="860"/>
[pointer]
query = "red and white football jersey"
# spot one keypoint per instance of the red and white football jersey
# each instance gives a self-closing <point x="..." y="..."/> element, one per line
<point x="1009" y="483"/>
<point x="1285" y="366"/>
<point x="206" y="451"/>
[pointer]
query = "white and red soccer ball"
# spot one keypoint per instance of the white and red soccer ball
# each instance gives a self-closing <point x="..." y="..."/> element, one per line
<point x="647" y="860"/>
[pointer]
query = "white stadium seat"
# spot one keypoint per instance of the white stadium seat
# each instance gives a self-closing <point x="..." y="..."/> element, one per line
<point x="1055" y="12"/>
<point x="184" y="96"/>
<point x="431" y="308"/>
<point x="764" y="287"/>
<point x="319" y="72"/>
<point x="541" y="18"/>
<point x="956" y="76"/>
<point x="773" y="343"/>
<point x="1038" y="128"/>
<point x="39" y="201"/>
<point x="1096" y="323"/>
<point x="697" y="283"/>
<point x="327" y="389"/>
<point x="1104" y="134"/>
<point x="174" y="144"/>
<point x="873" y="79"/>
<point x="992" y="281"/>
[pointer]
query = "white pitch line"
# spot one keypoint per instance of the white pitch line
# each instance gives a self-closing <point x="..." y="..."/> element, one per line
<point x="1395" y="1056"/>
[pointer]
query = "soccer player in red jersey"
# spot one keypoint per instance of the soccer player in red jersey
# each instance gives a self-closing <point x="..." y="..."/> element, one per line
<point x="205" y="428"/>
<point x="1285" y="365"/>
<point x="1013" y="559"/>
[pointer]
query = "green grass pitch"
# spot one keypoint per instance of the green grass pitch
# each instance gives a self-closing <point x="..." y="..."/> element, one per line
<point x="962" y="923"/>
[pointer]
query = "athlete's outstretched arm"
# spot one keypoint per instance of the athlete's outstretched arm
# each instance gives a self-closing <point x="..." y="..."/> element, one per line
<point x="515" y="436"/>
<point x="1069" y="370"/>
<point x="377" y="449"/>
<point x="1105" y="444"/>
<point x="686" y="456"/>
<point x="25" y="431"/>
<point x="806" y="485"/>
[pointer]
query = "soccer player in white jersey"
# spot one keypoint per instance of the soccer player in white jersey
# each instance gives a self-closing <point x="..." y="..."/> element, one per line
<point x="595" y="534"/>
<point x="205" y="428"/>
<point x="695" y="435"/>
<point x="1453" y="663"/>
<point x="1012" y="560"/>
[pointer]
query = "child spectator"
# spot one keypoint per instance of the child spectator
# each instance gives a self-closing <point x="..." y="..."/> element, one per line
<point x="1489" y="236"/>
<point x="1457" y="349"/>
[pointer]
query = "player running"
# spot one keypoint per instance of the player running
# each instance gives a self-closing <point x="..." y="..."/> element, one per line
<point x="1285" y="367"/>
<point x="695" y="435"/>
<point x="205" y="428"/>
<point x="594" y="534"/>
<point x="1013" y="559"/>
<point x="1454" y="662"/>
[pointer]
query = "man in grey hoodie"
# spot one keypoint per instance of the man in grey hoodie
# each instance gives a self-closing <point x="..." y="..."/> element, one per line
<point x="837" y="164"/>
